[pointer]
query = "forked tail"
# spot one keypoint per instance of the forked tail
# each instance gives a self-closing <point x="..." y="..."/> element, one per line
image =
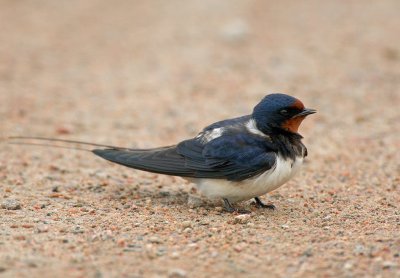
<point x="37" y="141"/>
<point x="164" y="160"/>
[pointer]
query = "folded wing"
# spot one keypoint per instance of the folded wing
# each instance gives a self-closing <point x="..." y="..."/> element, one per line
<point x="231" y="157"/>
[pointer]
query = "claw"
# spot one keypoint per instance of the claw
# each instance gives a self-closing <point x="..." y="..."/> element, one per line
<point x="260" y="204"/>
<point x="229" y="208"/>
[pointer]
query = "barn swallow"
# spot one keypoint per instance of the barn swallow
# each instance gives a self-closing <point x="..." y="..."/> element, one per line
<point x="235" y="160"/>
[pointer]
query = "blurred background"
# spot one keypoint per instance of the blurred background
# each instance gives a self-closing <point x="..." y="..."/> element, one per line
<point x="151" y="73"/>
<point x="141" y="65"/>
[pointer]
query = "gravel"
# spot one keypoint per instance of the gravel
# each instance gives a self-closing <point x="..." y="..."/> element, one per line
<point x="143" y="74"/>
<point x="11" y="204"/>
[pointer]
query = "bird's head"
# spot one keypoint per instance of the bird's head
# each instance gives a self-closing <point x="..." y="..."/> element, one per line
<point x="280" y="112"/>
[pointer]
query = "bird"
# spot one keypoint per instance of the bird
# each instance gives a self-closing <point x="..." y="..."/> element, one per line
<point x="233" y="160"/>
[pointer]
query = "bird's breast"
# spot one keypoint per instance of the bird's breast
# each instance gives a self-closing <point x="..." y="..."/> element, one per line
<point x="283" y="171"/>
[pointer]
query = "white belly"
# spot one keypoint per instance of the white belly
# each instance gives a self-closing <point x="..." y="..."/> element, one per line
<point x="283" y="171"/>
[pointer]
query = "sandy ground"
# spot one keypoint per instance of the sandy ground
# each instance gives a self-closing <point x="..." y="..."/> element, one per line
<point x="151" y="73"/>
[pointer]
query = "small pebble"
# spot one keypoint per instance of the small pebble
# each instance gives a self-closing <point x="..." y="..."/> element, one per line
<point x="234" y="31"/>
<point x="19" y="237"/>
<point x="107" y="234"/>
<point x="308" y="253"/>
<point x="204" y="222"/>
<point x="151" y="254"/>
<point x="348" y="265"/>
<point x="62" y="130"/>
<point x="186" y="224"/>
<point x="165" y="193"/>
<point x="175" y="255"/>
<point x="134" y="207"/>
<point x="239" y="247"/>
<point x="11" y="204"/>
<point x="192" y="245"/>
<point x="241" y="219"/>
<point x="31" y="263"/>
<point x="77" y="230"/>
<point x="177" y="273"/>
<point x="121" y="242"/>
<point x="194" y="201"/>
<point x="155" y="239"/>
<point x="219" y="209"/>
<point x="42" y="228"/>
<point x="388" y="264"/>
<point x="359" y="249"/>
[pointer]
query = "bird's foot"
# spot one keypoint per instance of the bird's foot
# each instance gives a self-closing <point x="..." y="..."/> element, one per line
<point x="229" y="208"/>
<point x="260" y="204"/>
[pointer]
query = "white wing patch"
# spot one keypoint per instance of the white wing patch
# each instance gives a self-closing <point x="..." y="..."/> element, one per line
<point x="212" y="134"/>
<point x="252" y="128"/>
<point x="207" y="136"/>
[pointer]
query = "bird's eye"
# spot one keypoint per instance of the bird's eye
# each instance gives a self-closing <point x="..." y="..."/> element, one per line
<point x="283" y="112"/>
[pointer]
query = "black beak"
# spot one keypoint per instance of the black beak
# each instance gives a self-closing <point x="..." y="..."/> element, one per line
<point x="305" y="112"/>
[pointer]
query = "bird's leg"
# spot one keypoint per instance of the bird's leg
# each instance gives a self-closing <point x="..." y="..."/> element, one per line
<point x="260" y="204"/>
<point x="229" y="208"/>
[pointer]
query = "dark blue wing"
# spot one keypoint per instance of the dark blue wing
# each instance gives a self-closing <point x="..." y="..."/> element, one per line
<point x="232" y="157"/>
